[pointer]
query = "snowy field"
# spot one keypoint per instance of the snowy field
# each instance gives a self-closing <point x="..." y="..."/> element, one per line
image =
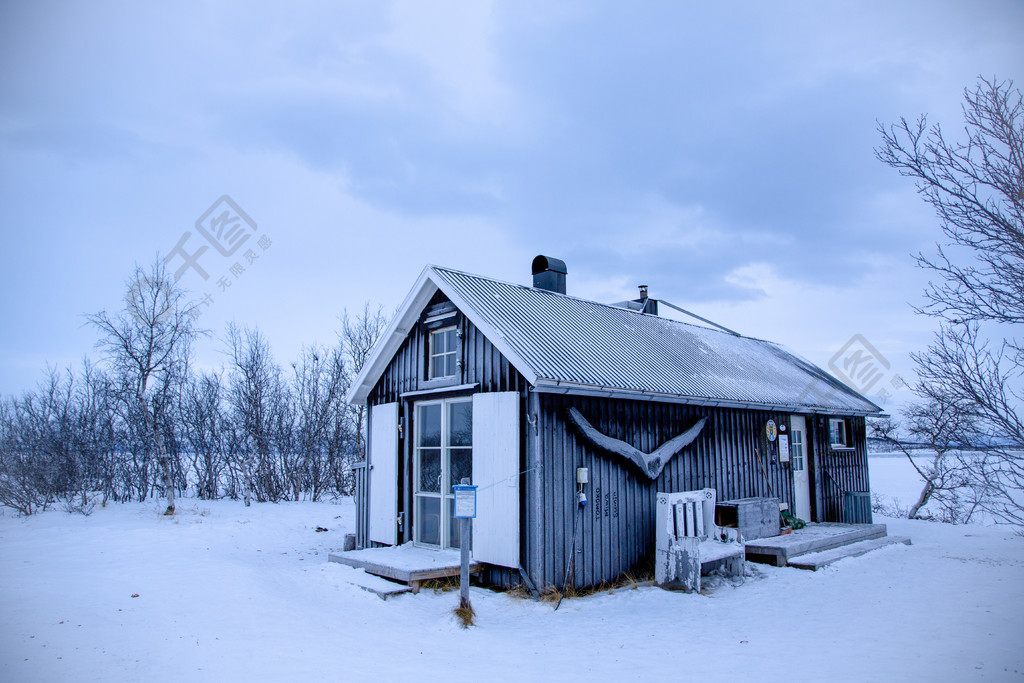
<point x="222" y="593"/>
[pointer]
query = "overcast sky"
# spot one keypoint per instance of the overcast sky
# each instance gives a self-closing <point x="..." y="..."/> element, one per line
<point x="721" y="153"/>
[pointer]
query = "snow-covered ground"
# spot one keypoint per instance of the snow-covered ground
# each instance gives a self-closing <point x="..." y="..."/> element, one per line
<point x="226" y="592"/>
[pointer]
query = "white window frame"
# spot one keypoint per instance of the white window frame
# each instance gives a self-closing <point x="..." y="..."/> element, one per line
<point x="843" y="443"/>
<point x="798" y="452"/>
<point x="432" y="352"/>
<point x="446" y="449"/>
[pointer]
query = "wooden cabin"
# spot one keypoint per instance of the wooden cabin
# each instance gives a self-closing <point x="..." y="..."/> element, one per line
<point x="518" y="387"/>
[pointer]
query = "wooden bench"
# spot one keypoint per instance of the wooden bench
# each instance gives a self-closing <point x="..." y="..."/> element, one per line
<point x="689" y="543"/>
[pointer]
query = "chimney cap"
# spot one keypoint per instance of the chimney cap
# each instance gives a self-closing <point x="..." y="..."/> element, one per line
<point x="542" y="263"/>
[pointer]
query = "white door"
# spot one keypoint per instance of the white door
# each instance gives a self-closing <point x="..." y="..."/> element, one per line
<point x="496" y="471"/>
<point x="383" y="461"/>
<point x="798" y="461"/>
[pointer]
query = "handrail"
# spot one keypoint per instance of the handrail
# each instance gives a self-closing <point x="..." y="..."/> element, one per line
<point x="841" y="489"/>
<point x="836" y="483"/>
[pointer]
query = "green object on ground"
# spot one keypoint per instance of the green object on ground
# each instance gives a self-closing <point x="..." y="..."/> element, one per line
<point x="789" y="520"/>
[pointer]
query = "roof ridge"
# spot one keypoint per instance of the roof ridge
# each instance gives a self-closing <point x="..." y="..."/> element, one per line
<point x="576" y="345"/>
<point x="647" y="316"/>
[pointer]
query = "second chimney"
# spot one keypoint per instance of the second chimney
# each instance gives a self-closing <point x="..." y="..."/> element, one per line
<point x="549" y="273"/>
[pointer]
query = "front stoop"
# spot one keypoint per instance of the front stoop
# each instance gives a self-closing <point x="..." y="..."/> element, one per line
<point x="381" y="587"/>
<point x="812" y="539"/>
<point x="815" y="561"/>
<point x="405" y="564"/>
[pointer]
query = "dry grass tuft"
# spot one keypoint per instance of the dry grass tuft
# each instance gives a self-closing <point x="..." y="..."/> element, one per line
<point x="465" y="614"/>
<point x="553" y="595"/>
<point x="627" y="580"/>
<point x="444" y="584"/>
<point x="520" y="592"/>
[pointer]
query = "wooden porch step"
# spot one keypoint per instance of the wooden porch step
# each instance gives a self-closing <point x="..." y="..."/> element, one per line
<point x="779" y="550"/>
<point x="405" y="564"/>
<point x="815" y="561"/>
<point x="381" y="587"/>
<point x="385" y="593"/>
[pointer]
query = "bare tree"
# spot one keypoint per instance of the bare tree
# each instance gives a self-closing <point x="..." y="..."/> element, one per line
<point x="236" y="474"/>
<point x="94" y="440"/>
<point x="932" y="437"/>
<point x="358" y="336"/>
<point x="317" y="392"/>
<point x="52" y="410"/>
<point x="146" y="424"/>
<point x="288" y="459"/>
<point x="202" y="420"/>
<point x="25" y="475"/>
<point x="256" y="398"/>
<point x="976" y="187"/>
<point x="147" y="345"/>
<point x="102" y="434"/>
<point x="53" y="442"/>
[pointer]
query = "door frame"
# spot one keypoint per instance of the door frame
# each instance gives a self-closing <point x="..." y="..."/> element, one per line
<point x="444" y="521"/>
<point x="801" y="483"/>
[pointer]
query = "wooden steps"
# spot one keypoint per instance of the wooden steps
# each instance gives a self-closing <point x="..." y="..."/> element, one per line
<point x="405" y="564"/>
<point x="381" y="587"/>
<point x="823" y="558"/>
<point x="814" y="538"/>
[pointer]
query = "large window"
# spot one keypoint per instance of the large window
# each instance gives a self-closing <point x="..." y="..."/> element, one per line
<point x="444" y="455"/>
<point x="442" y="361"/>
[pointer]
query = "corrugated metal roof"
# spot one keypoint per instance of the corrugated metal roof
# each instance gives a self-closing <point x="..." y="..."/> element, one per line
<point x="583" y="346"/>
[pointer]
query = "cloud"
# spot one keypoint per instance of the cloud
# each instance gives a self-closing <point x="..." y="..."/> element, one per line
<point x="453" y="41"/>
<point x="721" y="154"/>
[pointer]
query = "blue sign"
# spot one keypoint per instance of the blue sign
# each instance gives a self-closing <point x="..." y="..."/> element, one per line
<point x="465" y="501"/>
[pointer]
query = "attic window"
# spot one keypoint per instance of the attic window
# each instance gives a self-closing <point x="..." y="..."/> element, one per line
<point x="839" y="433"/>
<point x="441" y="363"/>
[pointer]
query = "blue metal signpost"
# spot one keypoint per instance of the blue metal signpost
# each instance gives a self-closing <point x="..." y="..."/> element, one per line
<point x="465" y="510"/>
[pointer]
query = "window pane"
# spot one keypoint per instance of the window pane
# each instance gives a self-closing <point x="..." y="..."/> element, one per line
<point x="442" y="353"/>
<point x="460" y="424"/>
<point x="461" y="465"/>
<point x="428" y="519"/>
<point x="455" y="527"/>
<point x="436" y="342"/>
<point x="428" y="422"/>
<point x="430" y="469"/>
<point x="838" y="435"/>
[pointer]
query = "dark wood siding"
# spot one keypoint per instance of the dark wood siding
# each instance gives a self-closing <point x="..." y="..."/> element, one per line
<point x="840" y="486"/>
<point x="615" y="531"/>
<point x="481" y="363"/>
